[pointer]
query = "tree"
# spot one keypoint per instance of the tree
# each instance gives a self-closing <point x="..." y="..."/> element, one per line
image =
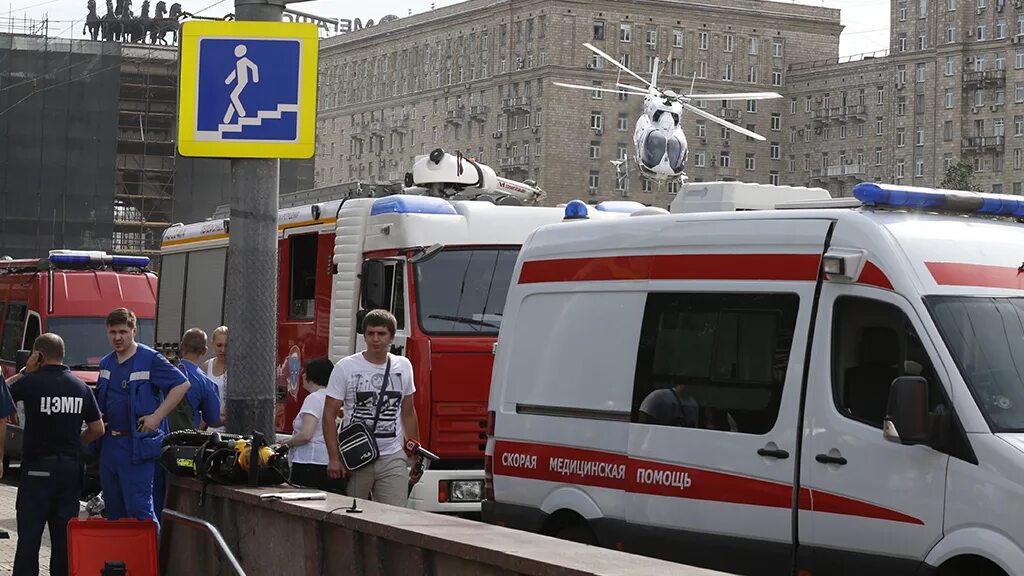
<point x="960" y="176"/>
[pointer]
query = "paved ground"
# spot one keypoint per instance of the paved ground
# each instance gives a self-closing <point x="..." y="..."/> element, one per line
<point x="8" y="495"/>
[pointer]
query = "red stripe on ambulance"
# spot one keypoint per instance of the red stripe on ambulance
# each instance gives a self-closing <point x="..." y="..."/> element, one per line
<point x="954" y="274"/>
<point x="798" y="267"/>
<point x="619" y="472"/>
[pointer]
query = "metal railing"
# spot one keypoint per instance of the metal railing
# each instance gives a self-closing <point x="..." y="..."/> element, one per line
<point x="203" y="525"/>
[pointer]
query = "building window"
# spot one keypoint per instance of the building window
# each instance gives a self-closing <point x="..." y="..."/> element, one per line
<point x="595" y="150"/>
<point x="677" y="38"/>
<point x="792" y="106"/>
<point x="727" y="41"/>
<point x="752" y="106"/>
<point x="776" y="122"/>
<point x="919" y="72"/>
<point x="1018" y="125"/>
<point x="948" y="100"/>
<point x="596" y="94"/>
<point x="773" y="178"/>
<point x="776" y="77"/>
<point x="947" y="130"/>
<point x="723" y="159"/>
<point x="753" y="47"/>
<point x="921" y="41"/>
<point x="1019" y="59"/>
<point x="777" y="47"/>
<point x="702" y="70"/>
<point x="900" y="172"/>
<point x="1018" y="158"/>
<point x="919" y="136"/>
<point x="774" y="151"/>
<point x="748" y="161"/>
<point x="593" y="182"/>
<point x="701" y="127"/>
<point x="881" y="96"/>
<point x="700" y="159"/>
<point x="752" y="75"/>
<point x="727" y="72"/>
<point x="652" y="38"/>
<point x="1018" y="92"/>
<point x="878" y="156"/>
<point x="623" y="122"/>
<point x="950" y="33"/>
<point x="625" y="32"/>
<point x="807" y="104"/>
<point x="981" y="31"/>
<point x="901" y="137"/>
<point x="702" y="41"/>
<point x="1001" y="28"/>
<point x="596" y="120"/>
<point x="650" y="64"/>
<point x="842" y="132"/>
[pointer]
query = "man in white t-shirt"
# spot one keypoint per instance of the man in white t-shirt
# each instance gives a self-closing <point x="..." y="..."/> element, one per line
<point x="356" y="383"/>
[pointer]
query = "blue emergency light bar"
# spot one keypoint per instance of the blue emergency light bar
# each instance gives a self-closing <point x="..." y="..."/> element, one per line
<point x="408" y="204"/>
<point x="913" y="197"/>
<point x="98" y="259"/>
<point x="576" y="210"/>
<point x="620" y="206"/>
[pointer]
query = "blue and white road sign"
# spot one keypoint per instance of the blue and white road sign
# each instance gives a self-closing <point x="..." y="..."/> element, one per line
<point x="248" y="89"/>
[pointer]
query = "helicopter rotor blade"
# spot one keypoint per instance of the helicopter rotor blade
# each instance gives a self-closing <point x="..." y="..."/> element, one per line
<point x="736" y="96"/>
<point x="615" y="62"/>
<point x="643" y="91"/>
<point x="638" y="92"/>
<point x="725" y="123"/>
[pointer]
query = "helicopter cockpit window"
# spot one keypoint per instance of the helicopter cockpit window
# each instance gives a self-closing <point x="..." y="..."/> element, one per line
<point x="654" y="149"/>
<point x="676" y="154"/>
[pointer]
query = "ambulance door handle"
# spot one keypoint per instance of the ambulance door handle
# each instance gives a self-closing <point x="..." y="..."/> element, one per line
<point x="773" y="453"/>
<point x="827" y="459"/>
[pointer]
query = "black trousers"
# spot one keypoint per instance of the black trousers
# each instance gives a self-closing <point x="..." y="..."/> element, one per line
<point x="47" y="495"/>
<point x="315" y="476"/>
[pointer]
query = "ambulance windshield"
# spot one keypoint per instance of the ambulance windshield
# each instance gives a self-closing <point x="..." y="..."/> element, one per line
<point x="986" y="339"/>
<point x="462" y="291"/>
<point x="85" y="338"/>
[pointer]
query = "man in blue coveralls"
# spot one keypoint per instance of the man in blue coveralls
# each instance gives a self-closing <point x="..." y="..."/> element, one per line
<point x="137" y="389"/>
<point x="202" y="399"/>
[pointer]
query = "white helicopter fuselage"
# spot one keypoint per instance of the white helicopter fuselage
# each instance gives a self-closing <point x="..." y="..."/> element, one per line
<point x="658" y="139"/>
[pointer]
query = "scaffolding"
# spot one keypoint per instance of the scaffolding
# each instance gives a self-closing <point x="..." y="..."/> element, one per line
<point x="145" y="160"/>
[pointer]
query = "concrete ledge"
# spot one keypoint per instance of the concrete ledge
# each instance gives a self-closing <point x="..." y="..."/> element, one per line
<point x="277" y="538"/>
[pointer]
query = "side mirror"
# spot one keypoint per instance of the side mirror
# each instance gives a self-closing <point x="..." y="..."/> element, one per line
<point x="907" y="420"/>
<point x="21" y="359"/>
<point x="360" y="315"/>
<point x="372" y="287"/>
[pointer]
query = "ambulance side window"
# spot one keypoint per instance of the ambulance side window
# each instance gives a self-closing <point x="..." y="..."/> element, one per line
<point x="873" y="343"/>
<point x="713" y="361"/>
<point x="14" y="322"/>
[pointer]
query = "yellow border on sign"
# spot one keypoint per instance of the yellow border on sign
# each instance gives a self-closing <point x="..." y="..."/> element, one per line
<point x="191" y="33"/>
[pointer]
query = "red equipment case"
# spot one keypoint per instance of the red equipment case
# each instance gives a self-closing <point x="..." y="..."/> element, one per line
<point x="93" y="542"/>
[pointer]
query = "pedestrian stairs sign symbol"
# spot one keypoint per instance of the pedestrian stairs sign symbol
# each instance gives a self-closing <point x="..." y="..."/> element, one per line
<point x="247" y="89"/>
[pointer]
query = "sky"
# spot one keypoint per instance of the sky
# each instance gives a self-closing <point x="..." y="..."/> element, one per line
<point x="866" y="21"/>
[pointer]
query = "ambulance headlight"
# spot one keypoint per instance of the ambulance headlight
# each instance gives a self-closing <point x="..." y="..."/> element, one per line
<point x="576" y="210"/>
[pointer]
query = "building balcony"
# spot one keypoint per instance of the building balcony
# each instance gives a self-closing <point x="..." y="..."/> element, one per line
<point x="730" y="114"/>
<point x="516" y="103"/>
<point x="399" y="124"/>
<point x="977" y="78"/>
<point x="376" y="128"/>
<point x="982" y="143"/>
<point x="455" y="116"/>
<point x="478" y="111"/>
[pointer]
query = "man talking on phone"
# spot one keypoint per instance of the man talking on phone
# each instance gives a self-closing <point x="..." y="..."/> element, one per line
<point x="56" y="405"/>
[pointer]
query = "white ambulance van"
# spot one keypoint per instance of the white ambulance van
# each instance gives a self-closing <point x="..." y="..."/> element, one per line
<point x="829" y="390"/>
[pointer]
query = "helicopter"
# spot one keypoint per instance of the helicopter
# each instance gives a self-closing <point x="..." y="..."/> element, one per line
<point x="659" y="142"/>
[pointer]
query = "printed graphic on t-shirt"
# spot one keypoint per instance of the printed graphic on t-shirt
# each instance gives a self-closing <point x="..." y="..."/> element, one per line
<point x="367" y="385"/>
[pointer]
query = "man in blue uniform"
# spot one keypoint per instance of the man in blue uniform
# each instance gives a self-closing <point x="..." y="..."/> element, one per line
<point x="137" y="389"/>
<point x="202" y="402"/>
<point x="56" y="405"/>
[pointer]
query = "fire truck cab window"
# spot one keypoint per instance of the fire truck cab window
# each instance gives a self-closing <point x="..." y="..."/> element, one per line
<point x="302" y="276"/>
<point x="14" y="322"/>
<point x="32" y="331"/>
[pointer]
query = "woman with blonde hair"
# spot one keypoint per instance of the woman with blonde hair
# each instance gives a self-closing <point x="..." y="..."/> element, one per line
<point x="217" y="368"/>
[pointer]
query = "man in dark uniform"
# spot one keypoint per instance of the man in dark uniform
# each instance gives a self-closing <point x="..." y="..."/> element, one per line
<point x="56" y="405"/>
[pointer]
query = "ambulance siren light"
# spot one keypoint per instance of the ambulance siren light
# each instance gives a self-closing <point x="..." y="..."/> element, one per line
<point x="406" y="204"/>
<point x="576" y="210"/>
<point x="939" y="200"/>
<point x="620" y="206"/>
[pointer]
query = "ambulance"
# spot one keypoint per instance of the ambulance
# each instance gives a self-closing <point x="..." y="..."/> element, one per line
<point x="441" y="266"/>
<point x="69" y="293"/>
<point x="832" y="389"/>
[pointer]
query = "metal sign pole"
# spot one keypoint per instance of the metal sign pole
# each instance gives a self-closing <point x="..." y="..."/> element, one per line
<point x="252" y="277"/>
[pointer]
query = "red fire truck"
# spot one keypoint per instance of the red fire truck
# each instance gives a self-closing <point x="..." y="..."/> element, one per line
<point x="441" y="266"/>
<point x="70" y="293"/>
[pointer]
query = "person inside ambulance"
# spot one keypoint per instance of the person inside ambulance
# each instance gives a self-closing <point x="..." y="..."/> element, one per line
<point x="676" y="407"/>
<point x="137" y="389"/>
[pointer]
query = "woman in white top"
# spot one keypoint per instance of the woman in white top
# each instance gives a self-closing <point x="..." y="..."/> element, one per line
<point x="217" y="369"/>
<point x="308" y="451"/>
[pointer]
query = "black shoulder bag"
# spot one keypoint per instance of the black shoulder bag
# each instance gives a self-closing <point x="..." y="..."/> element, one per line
<point x="358" y="443"/>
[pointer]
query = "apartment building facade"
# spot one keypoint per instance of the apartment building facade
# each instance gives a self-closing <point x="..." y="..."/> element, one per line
<point x="477" y="77"/>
